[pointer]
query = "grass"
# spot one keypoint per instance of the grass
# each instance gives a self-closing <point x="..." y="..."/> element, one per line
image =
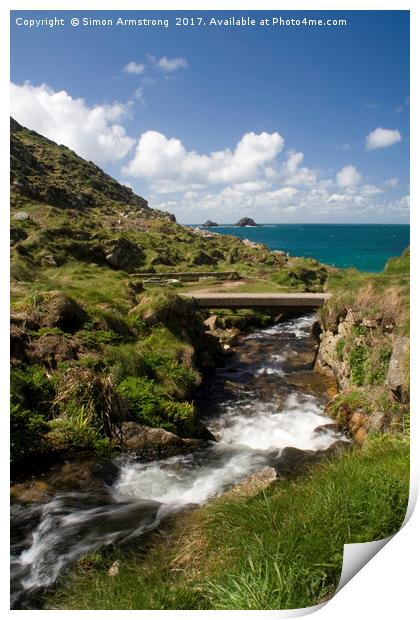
<point x="89" y="284"/>
<point x="278" y="550"/>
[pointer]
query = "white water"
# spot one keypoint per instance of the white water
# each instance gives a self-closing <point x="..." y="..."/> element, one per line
<point x="247" y="443"/>
<point x="251" y="433"/>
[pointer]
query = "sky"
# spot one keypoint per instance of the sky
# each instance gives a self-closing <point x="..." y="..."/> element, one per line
<point x="275" y="122"/>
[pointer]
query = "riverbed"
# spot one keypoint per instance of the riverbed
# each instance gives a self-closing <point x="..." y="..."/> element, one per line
<point x="266" y="398"/>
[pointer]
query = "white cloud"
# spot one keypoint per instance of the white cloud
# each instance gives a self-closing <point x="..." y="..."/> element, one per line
<point x="292" y="173"/>
<point x="168" y="164"/>
<point x="370" y="190"/>
<point x="134" y="67"/>
<point x="381" y="138"/>
<point x="252" y="179"/>
<point x="392" y="182"/>
<point x="91" y="131"/>
<point x="169" y="65"/>
<point x="348" y="177"/>
<point x="286" y="204"/>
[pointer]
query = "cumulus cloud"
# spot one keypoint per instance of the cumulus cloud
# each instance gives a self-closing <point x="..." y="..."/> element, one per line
<point x="134" y="67"/>
<point x="370" y="190"/>
<point x="169" y="164"/>
<point x="169" y="65"/>
<point x="92" y="131"/>
<point x="348" y="176"/>
<point x="392" y="182"/>
<point x="381" y="138"/>
<point x="286" y="204"/>
<point x="252" y="178"/>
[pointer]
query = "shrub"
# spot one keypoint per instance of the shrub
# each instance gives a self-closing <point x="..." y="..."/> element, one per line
<point x="76" y="431"/>
<point x="149" y="404"/>
<point x="378" y="367"/>
<point x="358" y="359"/>
<point x="87" y="400"/>
<point x="32" y="388"/>
<point x="26" y="431"/>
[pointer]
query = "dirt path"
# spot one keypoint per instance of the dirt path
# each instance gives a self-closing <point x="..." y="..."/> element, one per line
<point x="226" y="284"/>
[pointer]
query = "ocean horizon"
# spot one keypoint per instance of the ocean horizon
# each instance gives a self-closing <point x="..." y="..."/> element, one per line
<point x="366" y="247"/>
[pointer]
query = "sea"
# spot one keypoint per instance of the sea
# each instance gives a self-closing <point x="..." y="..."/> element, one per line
<point x="366" y="247"/>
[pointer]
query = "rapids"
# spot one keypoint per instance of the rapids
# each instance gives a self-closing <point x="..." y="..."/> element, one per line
<point x="266" y="398"/>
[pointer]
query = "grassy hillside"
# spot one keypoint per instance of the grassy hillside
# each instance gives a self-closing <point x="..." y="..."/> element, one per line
<point x="81" y="317"/>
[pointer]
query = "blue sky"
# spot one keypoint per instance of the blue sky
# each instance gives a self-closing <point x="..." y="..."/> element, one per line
<point x="285" y="124"/>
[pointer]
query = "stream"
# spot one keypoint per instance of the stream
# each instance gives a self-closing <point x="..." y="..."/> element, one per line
<point x="265" y="398"/>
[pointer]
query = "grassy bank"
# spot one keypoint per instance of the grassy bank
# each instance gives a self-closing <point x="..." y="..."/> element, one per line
<point x="365" y="344"/>
<point x="280" y="549"/>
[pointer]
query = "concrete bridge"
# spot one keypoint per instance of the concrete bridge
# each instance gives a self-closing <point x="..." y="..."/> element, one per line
<point x="258" y="300"/>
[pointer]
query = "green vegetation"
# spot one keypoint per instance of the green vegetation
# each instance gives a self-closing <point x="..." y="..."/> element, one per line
<point x="301" y="274"/>
<point x="27" y="429"/>
<point x="80" y="315"/>
<point x="80" y="403"/>
<point x="92" y="348"/>
<point x="149" y="404"/>
<point x="368" y="316"/>
<point x="31" y="393"/>
<point x="358" y="359"/>
<point x="280" y="549"/>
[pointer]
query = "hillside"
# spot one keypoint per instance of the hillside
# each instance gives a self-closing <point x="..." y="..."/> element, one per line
<point x="91" y="347"/>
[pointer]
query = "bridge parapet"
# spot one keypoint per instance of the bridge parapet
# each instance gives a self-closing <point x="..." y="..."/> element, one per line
<point x="258" y="300"/>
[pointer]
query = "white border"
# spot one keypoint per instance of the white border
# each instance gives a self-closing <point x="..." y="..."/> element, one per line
<point x="387" y="586"/>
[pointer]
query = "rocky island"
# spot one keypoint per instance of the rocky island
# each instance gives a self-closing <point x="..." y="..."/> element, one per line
<point x="209" y="224"/>
<point x="246" y="221"/>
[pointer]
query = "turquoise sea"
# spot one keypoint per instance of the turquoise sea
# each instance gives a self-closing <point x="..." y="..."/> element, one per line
<point x="364" y="246"/>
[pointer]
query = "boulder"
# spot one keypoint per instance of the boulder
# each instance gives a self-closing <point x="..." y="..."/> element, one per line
<point x="114" y="569"/>
<point x="253" y="485"/>
<point x="21" y="216"/>
<point x="246" y="221"/>
<point x="83" y="474"/>
<point x="398" y="369"/>
<point x="30" y="492"/>
<point x="211" y="322"/>
<point x="358" y="420"/>
<point x="326" y="428"/>
<point x="193" y="428"/>
<point x="49" y="260"/>
<point x="202" y="258"/>
<point x="229" y="336"/>
<point x="147" y="442"/>
<point x="124" y="254"/>
<point x="293" y="459"/>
